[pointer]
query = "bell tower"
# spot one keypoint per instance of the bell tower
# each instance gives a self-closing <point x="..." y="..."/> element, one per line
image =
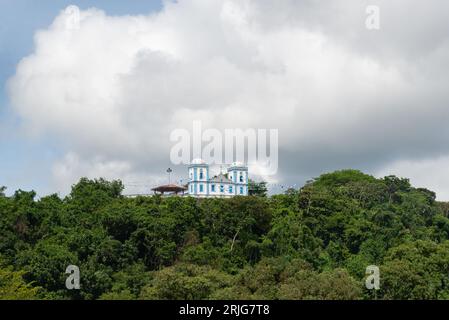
<point x="198" y="178"/>
<point x="238" y="174"/>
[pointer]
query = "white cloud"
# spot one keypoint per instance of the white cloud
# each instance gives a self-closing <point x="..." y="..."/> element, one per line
<point x="114" y="87"/>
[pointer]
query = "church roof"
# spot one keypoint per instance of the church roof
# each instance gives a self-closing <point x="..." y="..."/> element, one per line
<point x="169" y="188"/>
<point x="221" y="178"/>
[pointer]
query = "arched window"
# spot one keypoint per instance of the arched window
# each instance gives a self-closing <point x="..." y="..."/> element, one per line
<point x="222" y="188"/>
<point x="241" y="177"/>
<point x="201" y="174"/>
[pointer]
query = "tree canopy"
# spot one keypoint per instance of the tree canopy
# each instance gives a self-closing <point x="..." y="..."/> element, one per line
<point x="310" y="243"/>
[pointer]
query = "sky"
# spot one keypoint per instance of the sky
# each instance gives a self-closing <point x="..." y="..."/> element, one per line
<point x="94" y="88"/>
<point x="25" y="161"/>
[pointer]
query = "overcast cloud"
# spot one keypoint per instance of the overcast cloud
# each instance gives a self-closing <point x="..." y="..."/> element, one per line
<point x="342" y="96"/>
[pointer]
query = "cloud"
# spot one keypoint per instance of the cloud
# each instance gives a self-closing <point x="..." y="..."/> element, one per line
<point x="72" y="167"/>
<point x="114" y="87"/>
<point x="423" y="173"/>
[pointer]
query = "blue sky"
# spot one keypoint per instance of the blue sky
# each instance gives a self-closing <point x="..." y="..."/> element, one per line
<point x="25" y="163"/>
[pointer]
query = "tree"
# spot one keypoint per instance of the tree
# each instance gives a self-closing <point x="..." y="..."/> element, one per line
<point x="311" y="243"/>
<point x="45" y="264"/>
<point x="258" y="189"/>
<point x="394" y="185"/>
<point x="89" y="195"/>
<point x="2" y="191"/>
<point x="13" y="287"/>
<point x="329" y="285"/>
<point x="185" y="282"/>
<point x="293" y="238"/>
<point x="416" y="270"/>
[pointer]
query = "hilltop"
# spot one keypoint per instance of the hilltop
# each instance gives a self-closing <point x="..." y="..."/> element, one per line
<point x="311" y="243"/>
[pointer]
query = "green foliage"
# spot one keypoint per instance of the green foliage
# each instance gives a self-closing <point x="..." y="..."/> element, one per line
<point x="13" y="286"/>
<point x="45" y="264"/>
<point x="311" y="243"/>
<point x="329" y="285"/>
<point x="257" y="188"/>
<point x="185" y="282"/>
<point x="2" y="191"/>
<point x="416" y="270"/>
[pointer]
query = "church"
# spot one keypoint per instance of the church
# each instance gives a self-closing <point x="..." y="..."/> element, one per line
<point x="232" y="183"/>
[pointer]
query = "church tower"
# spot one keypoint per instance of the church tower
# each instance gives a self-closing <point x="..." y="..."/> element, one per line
<point x="238" y="174"/>
<point x="198" y="178"/>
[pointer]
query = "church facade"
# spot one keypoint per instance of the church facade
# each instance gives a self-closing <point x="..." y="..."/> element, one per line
<point x="232" y="183"/>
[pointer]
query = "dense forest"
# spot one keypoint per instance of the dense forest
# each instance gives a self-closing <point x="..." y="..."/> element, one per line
<point x="311" y="243"/>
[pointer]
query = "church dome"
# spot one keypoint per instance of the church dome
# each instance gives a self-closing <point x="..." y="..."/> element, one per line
<point x="198" y="161"/>
<point x="237" y="164"/>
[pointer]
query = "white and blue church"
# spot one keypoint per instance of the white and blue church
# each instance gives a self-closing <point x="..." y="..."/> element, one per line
<point x="232" y="183"/>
